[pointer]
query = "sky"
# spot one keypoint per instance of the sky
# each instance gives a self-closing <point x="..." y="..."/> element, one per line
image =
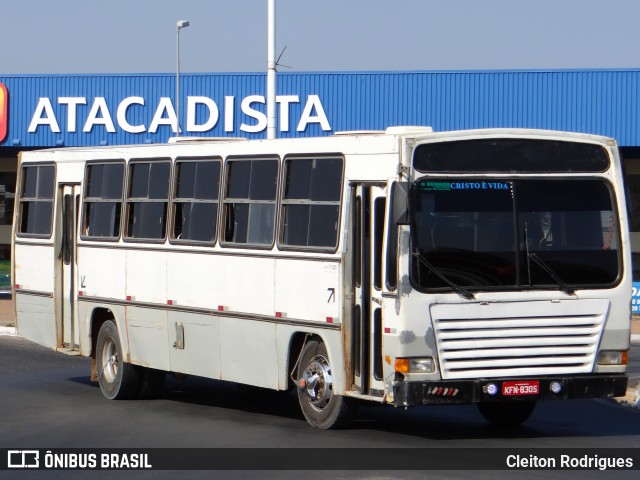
<point x="139" y="36"/>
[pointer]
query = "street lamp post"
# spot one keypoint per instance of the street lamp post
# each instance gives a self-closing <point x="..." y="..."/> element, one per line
<point x="179" y="25"/>
<point x="271" y="69"/>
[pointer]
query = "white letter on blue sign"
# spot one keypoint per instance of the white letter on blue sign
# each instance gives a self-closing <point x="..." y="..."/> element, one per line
<point x="121" y="115"/>
<point x="44" y="115"/>
<point x="192" y="104"/>
<point x="164" y="105"/>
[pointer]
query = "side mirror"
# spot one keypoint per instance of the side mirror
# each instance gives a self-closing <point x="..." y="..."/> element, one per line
<point x="400" y="202"/>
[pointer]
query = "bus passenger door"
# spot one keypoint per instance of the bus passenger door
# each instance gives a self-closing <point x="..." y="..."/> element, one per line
<point x="69" y="196"/>
<point x="369" y="202"/>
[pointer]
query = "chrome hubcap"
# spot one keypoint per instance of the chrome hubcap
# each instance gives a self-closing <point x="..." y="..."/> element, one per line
<point x="318" y="382"/>
<point x="110" y="361"/>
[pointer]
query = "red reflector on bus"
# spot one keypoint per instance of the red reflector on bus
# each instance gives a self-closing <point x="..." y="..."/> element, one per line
<point x="171" y="302"/>
<point x="387" y="330"/>
<point x="129" y="298"/>
<point x="17" y="286"/>
<point x="221" y="308"/>
<point x="80" y="293"/>
<point x="329" y="319"/>
<point x="278" y="314"/>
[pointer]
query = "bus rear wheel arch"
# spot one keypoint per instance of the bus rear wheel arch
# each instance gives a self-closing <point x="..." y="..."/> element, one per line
<point x="118" y="379"/>
<point x="108" y="360"/>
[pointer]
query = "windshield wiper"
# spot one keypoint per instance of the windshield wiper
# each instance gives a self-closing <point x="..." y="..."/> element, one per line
<point x="543" y="265"/>
<point x="466" y="294"/>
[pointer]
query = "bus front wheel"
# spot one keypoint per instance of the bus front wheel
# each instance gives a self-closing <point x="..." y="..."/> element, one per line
<point x="118" y="380"/>
<point x="506" y="413"/>
<point x="320" y="406"/>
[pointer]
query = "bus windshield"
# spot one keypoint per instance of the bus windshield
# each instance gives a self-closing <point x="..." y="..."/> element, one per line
<point x="484" y="234"/>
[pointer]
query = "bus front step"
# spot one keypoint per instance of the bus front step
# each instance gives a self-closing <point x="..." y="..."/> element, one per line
<point x="68" y="351"/>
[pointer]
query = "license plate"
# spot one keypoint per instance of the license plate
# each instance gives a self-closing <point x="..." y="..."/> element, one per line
<point x="523" y="387"/>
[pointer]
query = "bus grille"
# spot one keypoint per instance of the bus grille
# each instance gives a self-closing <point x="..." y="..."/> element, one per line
<point x="518" y="339"/>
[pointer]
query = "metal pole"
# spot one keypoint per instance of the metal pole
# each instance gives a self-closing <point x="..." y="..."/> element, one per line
<point x="178" y="79"/>
<point x="271" y="69"/>
<point x="179" y="25"/>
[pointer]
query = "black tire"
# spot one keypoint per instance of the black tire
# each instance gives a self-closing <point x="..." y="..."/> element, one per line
<point x="118" y="380"/>
<point x="320" y="406"/>
<point x="507" y="413"/>
<point x="151" y="383"/>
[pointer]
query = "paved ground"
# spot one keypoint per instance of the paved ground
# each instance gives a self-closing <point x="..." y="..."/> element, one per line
<point x="49" y="403"/>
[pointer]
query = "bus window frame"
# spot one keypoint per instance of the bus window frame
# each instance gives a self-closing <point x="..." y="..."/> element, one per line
<point x="173" y="199"/>
<point x="340" y="204"/>
<point x="128" y="201"/>
<point x="85" y="186"/>
<point x="18" y="206"/>
<point x="222" y="212"/>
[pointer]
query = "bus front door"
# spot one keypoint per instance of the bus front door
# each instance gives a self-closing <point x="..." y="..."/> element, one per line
<point x="369" y="202"/>
<point x="67" y="288"/>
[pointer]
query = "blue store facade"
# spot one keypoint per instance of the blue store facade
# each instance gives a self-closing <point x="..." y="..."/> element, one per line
<point x="39" y="111"/>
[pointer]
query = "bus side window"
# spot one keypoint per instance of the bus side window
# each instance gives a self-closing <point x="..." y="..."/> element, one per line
<point x="36" y="200"/>
<point x="147" y="200"/>
<point x="311" y="202"/>
<point x="196" y="200"/>
<point x="103" y="200"/>
<point x="250" y="201"/>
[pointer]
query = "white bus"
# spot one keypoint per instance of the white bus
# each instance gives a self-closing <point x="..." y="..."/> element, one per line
<point x="403" y="267"/>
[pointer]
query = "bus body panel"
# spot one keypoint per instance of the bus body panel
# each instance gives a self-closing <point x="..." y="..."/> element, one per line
<point x="147" y="336"/>
<point x="146" y="276"/>
<point x="101" y="271"/>
<point x="200" y="352"/>
<point x="32" y="262"/>
<point x="34" y="279"/>
<point x="241" y="286"/>
<point x="36" y="312"/>
<point x="214" y="281"/>
<point x="308" y="290"/>
<point x="248" y="352"/>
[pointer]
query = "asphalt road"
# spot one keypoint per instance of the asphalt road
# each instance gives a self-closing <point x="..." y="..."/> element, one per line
<point x="48" y="402"/>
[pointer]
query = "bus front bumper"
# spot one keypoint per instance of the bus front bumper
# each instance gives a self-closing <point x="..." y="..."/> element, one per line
<point x="445" y="392"/>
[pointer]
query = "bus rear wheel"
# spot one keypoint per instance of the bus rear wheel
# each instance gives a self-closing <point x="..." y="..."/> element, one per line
<point x="151" y="383"/>
<point x="507" y="413"/>
<point x="321" y="407"/>
<point x="118" y="380"/>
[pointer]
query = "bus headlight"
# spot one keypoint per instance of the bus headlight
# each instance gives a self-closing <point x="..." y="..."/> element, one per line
<point x="613" y="357"/>
<point x="490" y="389"/>
<point x="555" y="387"/>
<point x="415" y="365"/>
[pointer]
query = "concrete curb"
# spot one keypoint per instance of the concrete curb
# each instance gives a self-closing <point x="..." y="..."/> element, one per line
<point x="631" y="399"/>
<point x="8" y="331"/>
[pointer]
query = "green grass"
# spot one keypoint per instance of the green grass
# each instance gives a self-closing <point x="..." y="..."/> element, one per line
<point x="5" y="273"/>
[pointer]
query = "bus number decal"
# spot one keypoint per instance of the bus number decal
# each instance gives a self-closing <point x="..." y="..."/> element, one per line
<point x="332" y="295"/>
